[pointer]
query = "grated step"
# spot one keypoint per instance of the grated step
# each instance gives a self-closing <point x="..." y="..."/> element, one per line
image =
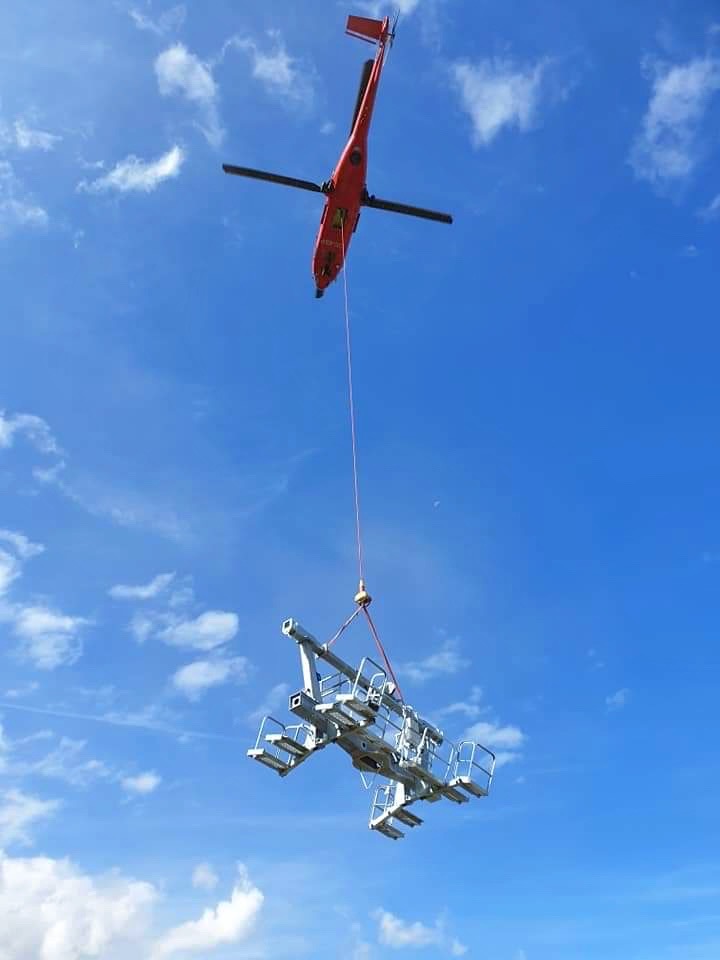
<point x="269" y="760"/>
<point x="451" y="793"/>
<point x="333" y="712"/>
<point x="387" y="829"/>
<point x="287" y="744"/>
<point x="404" y="816"/>
<point x="357" y="706"/>
<point x="470" y="785"/>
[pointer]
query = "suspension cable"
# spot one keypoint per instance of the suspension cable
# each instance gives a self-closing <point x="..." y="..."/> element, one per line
<point x="353" y="427"/>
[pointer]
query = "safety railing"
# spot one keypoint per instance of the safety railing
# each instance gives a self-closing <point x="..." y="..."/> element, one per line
<point x="334" y="684"/>
<point x="373" y="687"/>
<point x="297" y="732"/>
<point x="475" y="761"/>
<point x="383" y="799"/>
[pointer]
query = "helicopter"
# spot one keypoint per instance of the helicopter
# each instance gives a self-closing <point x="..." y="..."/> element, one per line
<point x="346" y="190"/>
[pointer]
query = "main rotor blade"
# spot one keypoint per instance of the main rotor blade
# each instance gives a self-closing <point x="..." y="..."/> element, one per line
<point x="406" y="209"/>
<point x="272" y="178"/>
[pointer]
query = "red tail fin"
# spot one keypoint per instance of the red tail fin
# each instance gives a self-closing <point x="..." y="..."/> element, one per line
<point x="366" y="29"/>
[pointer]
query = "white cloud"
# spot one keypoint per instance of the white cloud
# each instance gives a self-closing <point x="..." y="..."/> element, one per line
<point x="195" y="679"/>
<point x="147" y="592"/>
<point x="443" y="662"/>
<point x="379" y="8"/>
<point x="48" y="639"/>
<point x="497" y="93"/>
<point x="617" y="700"/>
<point x="17" y="208"/>
<point x="35" y="430"/>
<point x="24" y="547"/>
<point x="230" y="922"/>
<point x="28" y="139"/>
<point x="18" y="812"/>
<point x="278" y="72"/>
<point x="205" y="632"/>
<point x="396" y="933"/>
<point x="168" y="21"/>
<point x="668" y="146"/>
<point x="458" y="949"/>
<point x="9" y="571"/>
<point x="469" y="708"/>
<point x="65" y="763"/>
<point x="204" y="877"/>
<point x="712" y="210"/>
<point x="142" y="784"/>
<point x="504" y="741"/>
<point x="181" y="72"/>
<point x="274" y="699"/>
<point x="134" y="174"/>
<point x="52" y="911"/>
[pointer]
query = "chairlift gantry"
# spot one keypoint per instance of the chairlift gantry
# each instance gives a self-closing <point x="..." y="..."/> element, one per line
<point x="357" y="710"/>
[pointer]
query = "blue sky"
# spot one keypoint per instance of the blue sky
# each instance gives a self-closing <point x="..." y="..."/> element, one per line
<point x="537" y="399"/>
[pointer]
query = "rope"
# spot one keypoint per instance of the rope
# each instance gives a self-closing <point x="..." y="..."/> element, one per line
<point x="343" y="628"/>
<point x="380" y="647"/>
<point x="353" y="428"/>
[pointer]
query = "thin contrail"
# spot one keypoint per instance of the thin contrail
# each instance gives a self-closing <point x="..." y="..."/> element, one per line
<point x="117" y="722"/>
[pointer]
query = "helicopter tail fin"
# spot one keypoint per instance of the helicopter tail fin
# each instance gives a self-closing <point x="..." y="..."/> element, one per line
<point x="366" y="29"/>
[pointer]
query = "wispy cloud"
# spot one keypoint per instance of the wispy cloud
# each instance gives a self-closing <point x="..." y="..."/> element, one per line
<point x="28" y="138"/>
<point x="669" y="145"/>
<point x="274" y="699"/>
<point x="616" y="701"/>
<point x="17" y="207"/>
<point x="280" y="73"/>
<point x="167" y="22"/>
<point x="34" y="429"/>
<point x="181" y="72"/>
<point x="195" y="679"/>
<point x="444" y="662"/>
<point x="401" y="934"/>
<point x="712" y="210"/>
<point x="205" y="632"/>
<point x="18" y="812"/>
<point x="229" y="922"/>
<point x="134" y="175"/>
<point x="23" y="546"/>
<point x="149" y="591"/>
<point x="470" y="708"/>
<point x="498" y="94"/>
<point x="204" y="877"/>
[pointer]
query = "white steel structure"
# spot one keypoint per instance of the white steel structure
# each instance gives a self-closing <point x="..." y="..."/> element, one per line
<point x="356" y="710"/>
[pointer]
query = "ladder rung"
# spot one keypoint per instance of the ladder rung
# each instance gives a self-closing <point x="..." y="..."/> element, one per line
<point x="275" y="763"/>
<point x="287" y="744"/>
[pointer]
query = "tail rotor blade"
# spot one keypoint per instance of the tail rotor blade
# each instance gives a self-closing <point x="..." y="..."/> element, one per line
<point x="409" y="211"/>
<point x="272" y="178"/>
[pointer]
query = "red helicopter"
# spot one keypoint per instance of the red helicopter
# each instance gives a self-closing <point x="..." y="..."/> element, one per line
<point x="346" y="190"/>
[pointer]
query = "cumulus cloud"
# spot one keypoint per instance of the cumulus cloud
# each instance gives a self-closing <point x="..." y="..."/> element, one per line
<point x="136" y="175"/>
<point x="396" y="933"/>
<point x="230" y="922"/>
<point x="668" y="147"/>
<point x="180" y="72"/>
<point x="17" y="208"/>
<point x="167" y="22"/>
<point x="505" y="741"/>
<point x="204" y="877"/>
<point x="157" y="585"/>
<point x="470" y="708"/>
<point x="142" y="784"/>
<point x="34" y="429"/>
<point x="51" y="910"/>
<point x="195" y="679"/>
<point x="444" y="662"/>
<point x="205" y="632"/>
<point x="49" y="639"/>
<point x="498" y="94"/>
<point x="18" y="812"/>
<point x="617" y="700"/>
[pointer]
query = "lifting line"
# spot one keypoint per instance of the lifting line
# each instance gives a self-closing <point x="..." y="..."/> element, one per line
<point x="362" y="597"/>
